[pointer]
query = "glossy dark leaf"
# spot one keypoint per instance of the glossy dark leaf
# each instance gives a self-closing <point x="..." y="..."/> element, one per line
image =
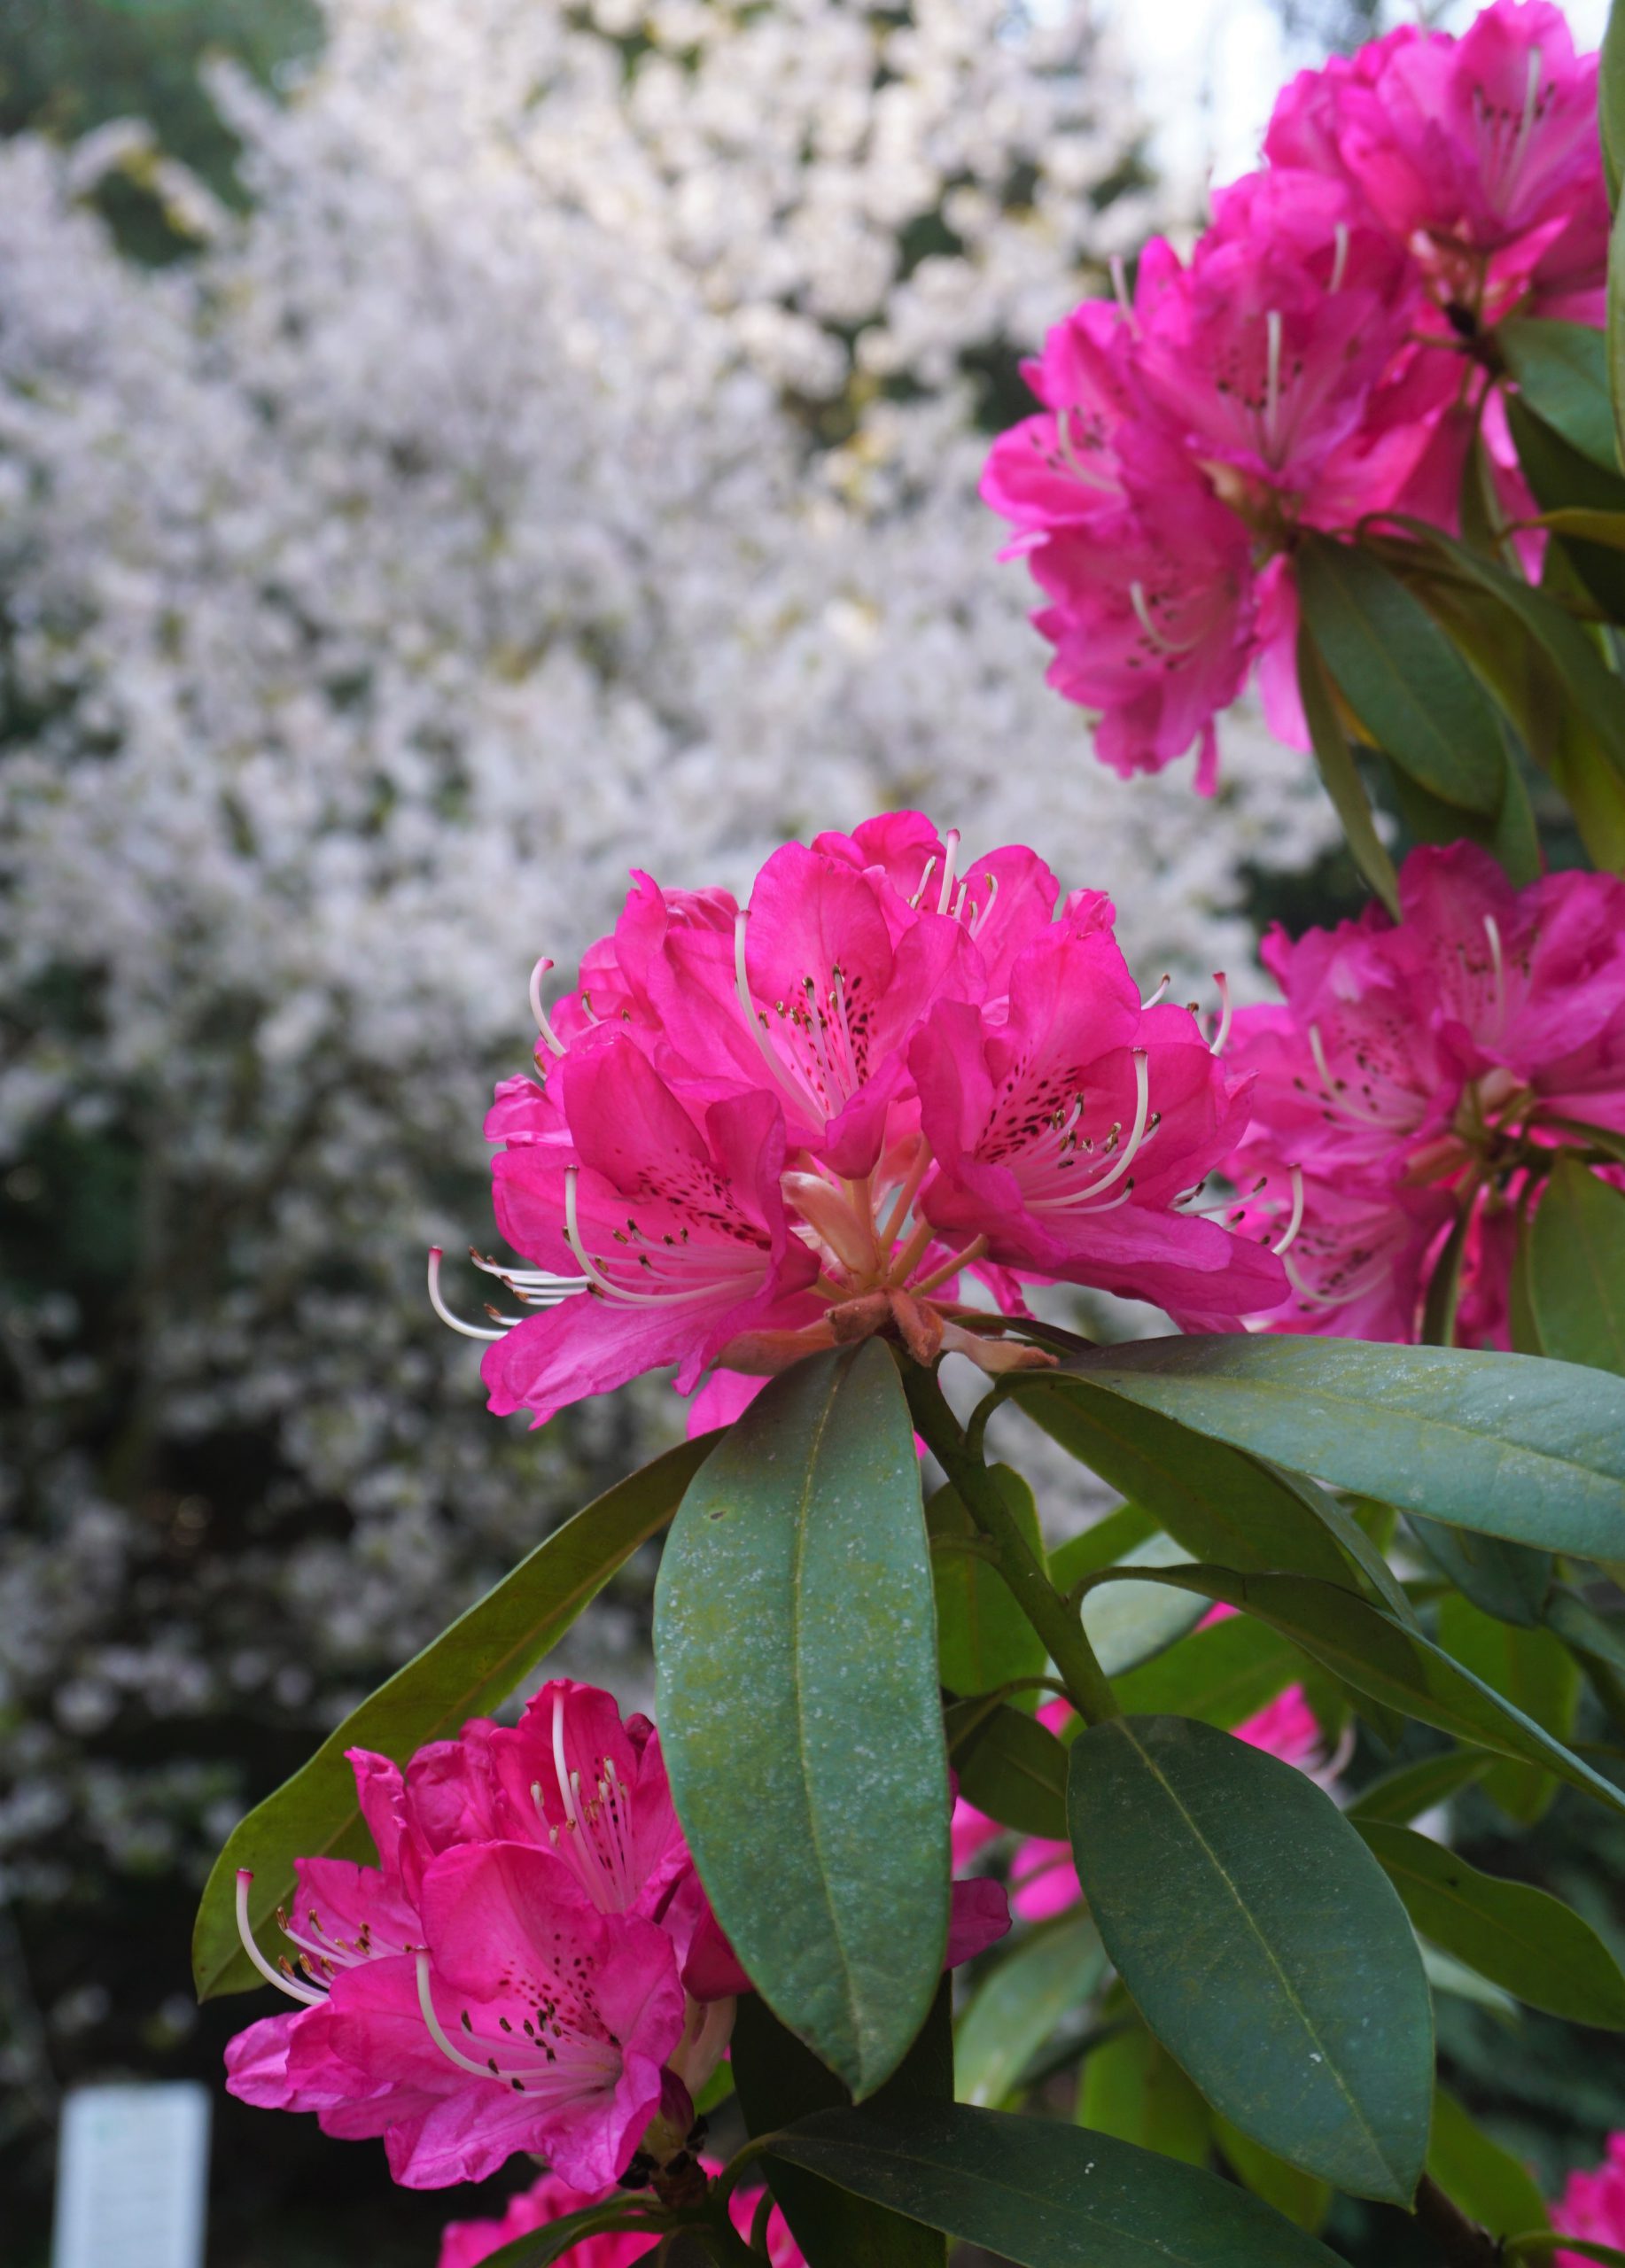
<point x="1220" y="1503"/>
<point x="1401" y="675"/>
<point x="1110" y="1540"/>
<point x="1129" y="1623"/>
<point x="1491" y="2186"/>
<point x="1339" y="774"/>
<point x="983" y="1639"/>
<point x="1536" y="1673"/>
<point x="1403" y="1794"/>
<point x="540" y="2248"/>
<point x="1562" y="373"/>
<point x="1010" y="1767"/>
<point x="1221" y="1674"/>
<point x="1533" y="1451"/>
<point x="1400" y="1667"/>
<point x="1576" y="1269"/>
<point x="1047" y="2195"/>
<point x="1298" y="2196"/>
<point x="1509" y="1580"/>
<point x="779" y="2080"/>
<point x="1522" y="1939"/>
<point x="1017" y="2006"/>
<point x="799" y="1710"/>
<point x="1561" y="478"/>
<point x="1132" y="2088"/>
<point x="467" y="1671"/>
<point x="1262" y="1943"/>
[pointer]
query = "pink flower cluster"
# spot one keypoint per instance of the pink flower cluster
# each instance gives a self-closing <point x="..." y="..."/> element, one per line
<point x="1042" y="1874"/>
<point x="1420" y="1069"/>
<point x="532" y="1964"/>
<point x="761" y="1130"/>
<point x="465" y="2244"/>
<point x="1593" y="2206"/>
<point x="1323" y="355"/>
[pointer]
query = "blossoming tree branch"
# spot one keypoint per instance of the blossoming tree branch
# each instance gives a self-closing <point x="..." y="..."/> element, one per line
<point x="820" y="1154"/>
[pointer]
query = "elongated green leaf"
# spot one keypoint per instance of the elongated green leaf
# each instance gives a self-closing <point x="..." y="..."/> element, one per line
<point x="983" y="1639"/>
<point x="1598" y="1638"/>
<point x="1509" y="1580"/>
<point x="1540" y="2244"/>
<point x="1488" y="2183"/>
<point x="1402" y="678"/>
<point x="1262" y="1945"/>
<point x="1132" y="2088"/>
<point x="1110" y="1540"/>
<point x="796" y="1662"/>
<point x="1367" y="1650"/>
<point x="1018" y="2005"/>
<point x="1011" y="1768"/>
<point x="1404" y="1794"/>
<point x="1220" y="1675"/>
<point x="1530" y="1944"/>
<point x="471" y="1669"/>
<point x="1576" y="1278"/>
<point x="1533" y="1451"/>
<point x="1339" y="774"/>
<point x="540" y="2248"/>
<point x="1220" y="1503"/>
<point x="1611" y="101"/>
<point x="1510" y="838"/>
<point x="1045" y="2194"/>
<point x="1299" y="2195"/>
<point x="779" y="2080"/>
<point x="1446" y="1973"/>
<point x="1577" y="669"/>
<point x="1562" y="373"/>
<point x="1129" y="1624"/>
<point x="1533" y="1670"/>
<point x="1562" y="479"/>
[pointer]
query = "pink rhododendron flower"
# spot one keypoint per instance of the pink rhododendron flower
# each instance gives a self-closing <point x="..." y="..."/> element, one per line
<point x="532" y="1964"/>
<point x="1479" y="155"/>
<point x="1043" y="1878"/>
<point x="1321" y="357"/>
<point x="465" y="2244"/>
<point x="881" y="1086"/>
<point x="1593" y="2205"/>
<point x="1421" y="1070"/>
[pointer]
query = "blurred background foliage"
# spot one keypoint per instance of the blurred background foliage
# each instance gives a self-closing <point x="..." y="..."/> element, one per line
<point x="100" y="1236"/>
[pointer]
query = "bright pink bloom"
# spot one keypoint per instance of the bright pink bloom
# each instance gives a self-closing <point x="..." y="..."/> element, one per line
<point x="1593" y="2206"/>
<point x="467" y="2243"/>
<point x="791" y="1131"/>
<point x="1478" y="154"/>
<point x="532" y="1965"/>
<point x="1417" y="1069"/>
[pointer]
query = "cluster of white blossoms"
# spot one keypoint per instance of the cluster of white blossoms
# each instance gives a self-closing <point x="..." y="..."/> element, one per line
<point x="573" y="446"/>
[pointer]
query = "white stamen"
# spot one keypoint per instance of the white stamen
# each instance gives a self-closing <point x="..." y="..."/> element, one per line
<point x="787" y="1085"/>
<point x="538" y="1011"/>
<point x="284" y="1983"/>
<point x="1153" y="997"/>
<point x="566" y="1782"/>
<point x="978" y="922"/>
<point x="1217" y="1044"/>
<point x="453" y="2054"/>
<point x="1137" y="1135"/>
<point x="1531" y="104"/>
<point x="951" y="851"/>
<point x="1120" y="289"/>
<point x="925" y="880"/>
<point x="1159" y="638"/>
<point x="469" y="1330"/>
<point x="1356" y="1290"/>
<point x="1341" y="260"/>
<point x="596" y="1275"/>
<point x="1492" y="930"/>
<point x="537" y="1287"/>
<point x="1296" y="1221"/>
<point x="1075" y="466"/>
<point x="1273" y="371"/>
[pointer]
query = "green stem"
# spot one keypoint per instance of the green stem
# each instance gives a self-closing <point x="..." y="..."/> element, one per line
<point x="1061" y="1631"/>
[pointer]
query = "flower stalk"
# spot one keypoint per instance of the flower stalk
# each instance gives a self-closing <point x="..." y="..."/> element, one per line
<point x="1061" y="1628"/>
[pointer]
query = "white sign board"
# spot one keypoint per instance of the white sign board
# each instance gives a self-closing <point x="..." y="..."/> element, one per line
<point x="131" y="2177"/>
